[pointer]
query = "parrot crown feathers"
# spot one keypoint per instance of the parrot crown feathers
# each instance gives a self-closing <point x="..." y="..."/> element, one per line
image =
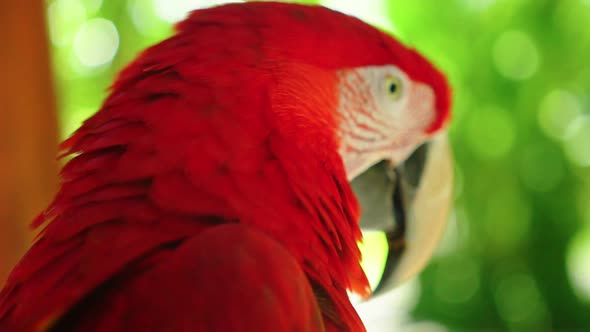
<point x="327" y="39"/>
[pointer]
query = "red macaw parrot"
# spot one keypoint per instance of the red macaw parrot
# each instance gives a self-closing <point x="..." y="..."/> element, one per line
<point x="211" y="190"/>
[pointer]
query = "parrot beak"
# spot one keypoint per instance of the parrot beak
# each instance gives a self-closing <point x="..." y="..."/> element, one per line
<point x="409" y="204"/>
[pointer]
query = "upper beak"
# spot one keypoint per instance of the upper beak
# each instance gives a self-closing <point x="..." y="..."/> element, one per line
<point x="410" y="205"/>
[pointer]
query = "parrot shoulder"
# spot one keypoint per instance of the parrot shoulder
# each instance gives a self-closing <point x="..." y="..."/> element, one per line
<point x="56" y="273"/>
<point x="230" y="277"/>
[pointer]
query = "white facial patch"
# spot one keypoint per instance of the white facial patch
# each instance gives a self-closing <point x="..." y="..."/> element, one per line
<point x="385" y="116"/>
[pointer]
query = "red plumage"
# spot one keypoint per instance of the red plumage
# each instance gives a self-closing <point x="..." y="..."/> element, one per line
<point x="231" y="120"/>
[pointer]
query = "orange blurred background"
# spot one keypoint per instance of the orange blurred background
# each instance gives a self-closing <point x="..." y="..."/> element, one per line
<point x="28" y="126"/>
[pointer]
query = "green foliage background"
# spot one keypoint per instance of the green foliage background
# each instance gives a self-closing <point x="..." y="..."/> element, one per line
<point x="517" y="254"/>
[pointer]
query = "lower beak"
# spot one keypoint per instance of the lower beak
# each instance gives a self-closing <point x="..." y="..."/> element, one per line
<point x="409" y="204"/>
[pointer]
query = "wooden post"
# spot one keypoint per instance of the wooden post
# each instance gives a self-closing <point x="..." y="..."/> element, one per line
<point x="28" y="126"/>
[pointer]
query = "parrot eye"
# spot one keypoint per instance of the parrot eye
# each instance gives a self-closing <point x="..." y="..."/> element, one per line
<point x="393" y="86"/>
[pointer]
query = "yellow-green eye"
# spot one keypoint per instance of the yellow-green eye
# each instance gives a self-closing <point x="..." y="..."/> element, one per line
<point x="393" y="86"/>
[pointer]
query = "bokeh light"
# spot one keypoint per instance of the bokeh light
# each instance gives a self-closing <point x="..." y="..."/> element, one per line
<point x="550" y="175"/>
<point x="145" y="20"/>
<point x="558" y="111"/>
<point x="96" y="42"/>
<point x="578" y="263"/>
<point x="577" y="143"/>
<point x="478" y="5"/>
<point x="490" y="132"/>
<point x="92" y="6"/>
<point x="507" y="220"/>
<point x="519" y="301"/>
<point x="457" y="280"/>
<point x="516" y="55"/>
<point x="64" y="17"/>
